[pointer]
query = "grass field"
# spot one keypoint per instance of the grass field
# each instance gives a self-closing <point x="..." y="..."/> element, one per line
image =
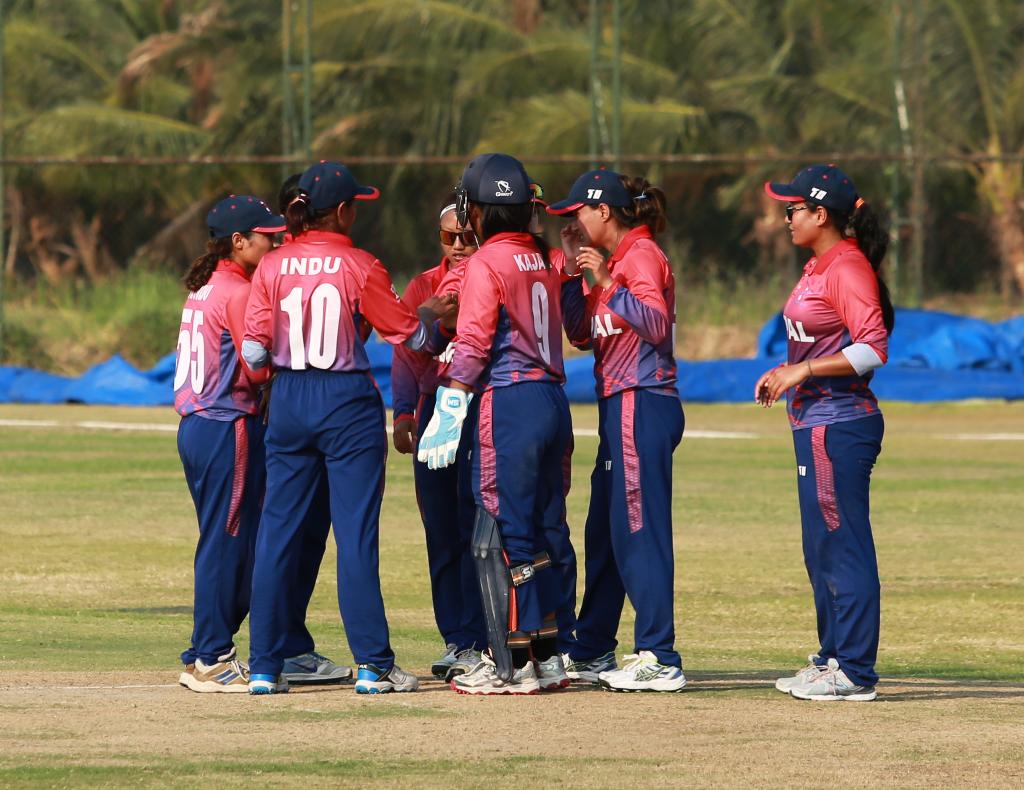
<point x="95" y="604"/>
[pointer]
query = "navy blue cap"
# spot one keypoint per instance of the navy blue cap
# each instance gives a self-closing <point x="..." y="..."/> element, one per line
<point x="822" y="185"/>
<point x="496" y="179"/>
<point x="331" y="183"/>
<point x="242" y="214"/>
<point x="592" y="189"/>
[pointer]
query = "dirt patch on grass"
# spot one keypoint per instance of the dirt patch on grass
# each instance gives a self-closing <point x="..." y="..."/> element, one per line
<point x="723" y="730"/>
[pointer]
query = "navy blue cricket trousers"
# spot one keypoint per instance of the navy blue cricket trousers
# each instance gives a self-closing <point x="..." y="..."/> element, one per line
<point x="628" y="536"/>
<point x="330" y="422"/>
<point x="225" y="471"/>
<point x="447" y="509"/>
<point x="523" y="433"/>
<point x="314" y="544"/>
<point x="834" y="464"/>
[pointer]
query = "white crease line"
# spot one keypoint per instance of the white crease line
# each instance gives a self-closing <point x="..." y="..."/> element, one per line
<point x="128" y="426"/>
<point x="985" y="437"/>
<point x="164" y="427"/>
<point x="90" y="688"/>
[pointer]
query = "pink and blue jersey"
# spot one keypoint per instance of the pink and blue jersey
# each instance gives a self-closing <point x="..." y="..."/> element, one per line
<point x="210" y="377"/>
<point x="510" y="316"/>
<point x="415" y="373"/>
<point x="314" y="300"/>
<point x="834" y="305"/>
<point x="631" y="323"/>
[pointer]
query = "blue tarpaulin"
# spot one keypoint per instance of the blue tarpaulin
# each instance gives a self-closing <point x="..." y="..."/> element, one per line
<point x="932" y="357"/>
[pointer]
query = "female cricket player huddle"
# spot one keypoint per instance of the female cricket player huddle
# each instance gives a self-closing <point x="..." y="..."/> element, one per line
<point x="477" y="377"/>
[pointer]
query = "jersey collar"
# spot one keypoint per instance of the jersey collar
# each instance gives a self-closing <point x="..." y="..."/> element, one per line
<point x="820" y="265"/>
<point x="325" y="235"/>
<point x="522" y="238"/>
<point x="233" y="267"/>
<point x="631" y="238"/>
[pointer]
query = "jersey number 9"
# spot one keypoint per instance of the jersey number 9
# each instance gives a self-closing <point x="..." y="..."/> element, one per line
<point x="541" y="323"/>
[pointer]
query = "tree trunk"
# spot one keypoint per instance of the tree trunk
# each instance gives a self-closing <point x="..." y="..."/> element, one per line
<point x="88" y="246"/>
<point x="16" y="207"/>
<point x="44" y="251"/>
<point x="1001" y="187"/>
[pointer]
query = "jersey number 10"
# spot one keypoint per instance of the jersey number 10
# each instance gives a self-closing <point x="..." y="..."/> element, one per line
<point x="324" y="319"/>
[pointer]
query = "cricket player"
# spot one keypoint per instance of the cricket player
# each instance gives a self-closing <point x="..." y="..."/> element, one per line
<point x="220" y="437"/>
<point x="310" y="302"/>
<point x="630" y="323"/>
<point x="509" y="351"/>
<point x="839" y="318"/>
<point x="444" y="496"/>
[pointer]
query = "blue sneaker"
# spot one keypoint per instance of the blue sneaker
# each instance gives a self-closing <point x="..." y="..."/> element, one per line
<point x="373" y="680"/>
<point x="267" y="684"/>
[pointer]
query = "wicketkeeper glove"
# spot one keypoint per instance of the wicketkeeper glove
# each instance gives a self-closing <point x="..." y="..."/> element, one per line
<point x="440" y="441"/>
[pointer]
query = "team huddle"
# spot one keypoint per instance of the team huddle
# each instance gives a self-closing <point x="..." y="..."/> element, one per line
<point x="282" y="433"/>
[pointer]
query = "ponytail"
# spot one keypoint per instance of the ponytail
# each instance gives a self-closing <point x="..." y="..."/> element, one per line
<point x="866" y="227"/>
<point x="203" y="267"/>
<point x="648" y="206"/>
<point x="300" y="216"/>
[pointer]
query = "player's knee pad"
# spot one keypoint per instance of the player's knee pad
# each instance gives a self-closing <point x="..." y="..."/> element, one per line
<point x="497" y="586"/>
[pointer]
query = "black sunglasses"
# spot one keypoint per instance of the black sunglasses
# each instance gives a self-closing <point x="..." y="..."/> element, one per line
<point x="448" y="237"/>
<point x="791" y="210"/>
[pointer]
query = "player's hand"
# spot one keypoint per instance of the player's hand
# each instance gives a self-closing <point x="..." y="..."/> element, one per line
<point x="444" y="309"/>
<point x="440" y="441"/>
<point x="574" y="237"/>
<point x="405" y="435"/>
<point x="264" y="407"/>
<point x="773" y="383"/>
<point x="593" y="261"/>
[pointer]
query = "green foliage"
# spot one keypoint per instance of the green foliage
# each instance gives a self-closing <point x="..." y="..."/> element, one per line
<point x="454" y="77"/>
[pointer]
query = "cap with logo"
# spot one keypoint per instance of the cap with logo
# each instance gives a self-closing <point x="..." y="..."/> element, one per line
<point x="822" y="185"/>
<point x="331" y="183"/>
<point x="242" y="214"/>
<point x="497" y="179"/>
<point x="592" y="189"/>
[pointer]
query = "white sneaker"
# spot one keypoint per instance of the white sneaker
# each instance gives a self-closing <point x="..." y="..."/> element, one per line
<point x="313" y="669"/>
<point x="833" y="686"/>
<point x="643" y="672"/>
<point x="803" y="677"/>
<point x="227" y="675"/>
<point x="551" y="674"/>
<point x="440" y="667"/>
<point x="483" y="679"/>
<point x="465" y="661"/>
<point x="374" y="680"/>
<point x="587" y="671"/>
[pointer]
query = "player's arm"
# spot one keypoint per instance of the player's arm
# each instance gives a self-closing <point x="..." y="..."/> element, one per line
<point x="575" y="319"/>
<point x="388" y="314"/>
<point x="634" y="294"/>
<point x="637" y="297"/>
<point x="479" y="303"/>
<point x="234" y="319"/>
<point x="259" y="322"/>
<point x="852" y="288"/>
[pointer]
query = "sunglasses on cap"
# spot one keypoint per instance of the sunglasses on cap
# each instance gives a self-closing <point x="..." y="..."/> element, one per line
<point x="791" y="210"/>
<point x="448" y="237"/>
